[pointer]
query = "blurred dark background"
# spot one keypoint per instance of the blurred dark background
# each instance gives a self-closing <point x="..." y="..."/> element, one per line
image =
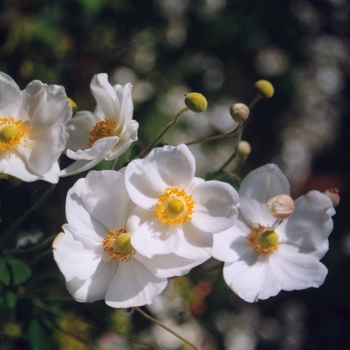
<point x="219" y="48"/>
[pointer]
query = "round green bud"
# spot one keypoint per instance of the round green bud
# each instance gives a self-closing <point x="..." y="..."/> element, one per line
<point x="239" y="112"/>
<point x="244" y="149"/>
<point x="264" y="88"/>
<point x="269" y="239"/>
<point x="196" y="102"/>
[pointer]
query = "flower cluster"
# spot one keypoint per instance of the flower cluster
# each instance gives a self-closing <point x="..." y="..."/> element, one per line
<point x="129" y="231"/>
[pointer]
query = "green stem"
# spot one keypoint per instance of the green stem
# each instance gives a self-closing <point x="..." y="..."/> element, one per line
<point x="240" y="132"/>
<point x="215" y="137"/>
<point x="12" y="227"/>
<point x="28" y="250"/>
<point x="170" y="125"/>
<point x="113" y="164"/>
<point x="165" y="327"/>
<point x="255" y="100"/>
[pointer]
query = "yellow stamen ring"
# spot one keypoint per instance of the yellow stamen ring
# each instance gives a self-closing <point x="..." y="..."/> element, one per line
<point x="11" y="133"/>
<point x="174" y="206"/>
<point x="117" y="245"/>
<point x="263" y="240"/>
<point x="105" y="128"/>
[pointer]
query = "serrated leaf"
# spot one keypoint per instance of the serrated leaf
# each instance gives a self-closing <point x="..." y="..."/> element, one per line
<point x="5" y="275"/>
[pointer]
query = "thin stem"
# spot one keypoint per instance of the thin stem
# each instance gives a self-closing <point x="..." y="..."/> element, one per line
<point x="113" y="164"/>
<point x="170" y="125"/>
<point x="215" y="137"/>
<point x="12" y="227"/>
<point x="165" y="327"/>
<point x="255" y="100"/>
<point x="233" y="154"/>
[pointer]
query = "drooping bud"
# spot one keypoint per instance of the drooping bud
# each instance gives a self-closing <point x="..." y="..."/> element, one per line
<point x="239" y="112"/>
<point x="73" y="105"/>
<point x="264" y="88"/>
<point x="196" y="102"/>
<point x="244" y="149"/>
<point x="281" y="207"/>
<point x="333" y="194"/>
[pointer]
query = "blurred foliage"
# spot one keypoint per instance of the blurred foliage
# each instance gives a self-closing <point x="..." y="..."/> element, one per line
<point x="219" y="48"/>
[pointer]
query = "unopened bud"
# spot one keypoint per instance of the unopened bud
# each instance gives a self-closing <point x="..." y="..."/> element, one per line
<point x="239" y="112"/>
<point x="264" y="88"/>
<point x="73" y="105"/>
<point x="244" y="149"/>
<point x="281" y="207"/>
<point x="333" y="194"/>
<point x="196" y="102"/>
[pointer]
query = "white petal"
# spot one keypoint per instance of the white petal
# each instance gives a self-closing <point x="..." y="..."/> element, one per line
<point x="169" y="265"/>
<point x="256" y="189"/>
<point x="79" y="128"/>
<point x="250" y="277"/>
<point x="296" y="271"/>
<point x="107" y="200"/>
<point x="310" y="223"/>
<point x="126" y="109"/>
<point x="95" y="287"/>
<point x="126" y="139"/>
<point x="79" y="217"/>
<point x="229" y="246"/>
<point x="40" y="154"/>
<point x="72" y="257"/>
<point x="89" y="158"/>
<point x="155" y="238"/>
<point x="133" y="285"/>
<point x="139" y="190"/>
<point x="105" y="95"/>
<point x="169" y="167"/>
<point x="45" y="106"/>
<point x="216" y="206"/>
<point x="10" y="97"/>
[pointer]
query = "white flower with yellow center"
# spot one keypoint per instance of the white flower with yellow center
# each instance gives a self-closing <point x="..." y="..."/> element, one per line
<point x="105" y="134"/>
<point x="32" y="129"/>
<point x="95" y="253"/>
<point x="176" y="212"/>
<point x="264" y="255"/>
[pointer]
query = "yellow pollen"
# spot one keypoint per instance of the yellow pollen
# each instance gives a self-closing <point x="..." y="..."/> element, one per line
<point x="11" y="133"/>
<point x="117" y="245"/>
<point x="263" y="240"/>
<point x="102" y="129"/>
<point x="174" y="206"/>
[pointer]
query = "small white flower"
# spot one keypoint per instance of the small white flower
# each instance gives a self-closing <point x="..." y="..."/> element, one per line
<point x="263" y="255"/>
<point x="177" y="212"/>
<point x="105" y="134"/>
<point x="32" y="129"/>
<point x="94" y="252"/>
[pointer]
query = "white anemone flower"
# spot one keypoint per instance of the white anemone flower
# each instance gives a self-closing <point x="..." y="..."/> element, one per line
<point x="105" y="134"/>
<point x="32" y="129"/>
<point x="264" y="255"/>
<point x="94" y="251"/>
<point x="177" y="212"/>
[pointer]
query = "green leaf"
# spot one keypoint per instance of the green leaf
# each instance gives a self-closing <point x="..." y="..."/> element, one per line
<point x="37" y="335"/>
<point x="5" y="275"/>
<point x="11" y="299"/>
<point x="20" y="271"/>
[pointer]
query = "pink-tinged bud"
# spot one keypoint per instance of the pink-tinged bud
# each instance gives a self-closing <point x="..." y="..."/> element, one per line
<point x="244" y="149"/>
<point x="239" y="112"/>
<point x="281" y="207"/>
<point x="333" y="194"/>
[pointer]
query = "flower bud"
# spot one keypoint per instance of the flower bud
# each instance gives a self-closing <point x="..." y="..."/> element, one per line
<point x="244" y="149"/>
<point x="281" y="207"/>
<point x="239" y="112"/>
<point x="264" y="88"/>
<point x="196" y="102"/>
<point x="333" y="194"/>
<point x="73" y="105"/>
